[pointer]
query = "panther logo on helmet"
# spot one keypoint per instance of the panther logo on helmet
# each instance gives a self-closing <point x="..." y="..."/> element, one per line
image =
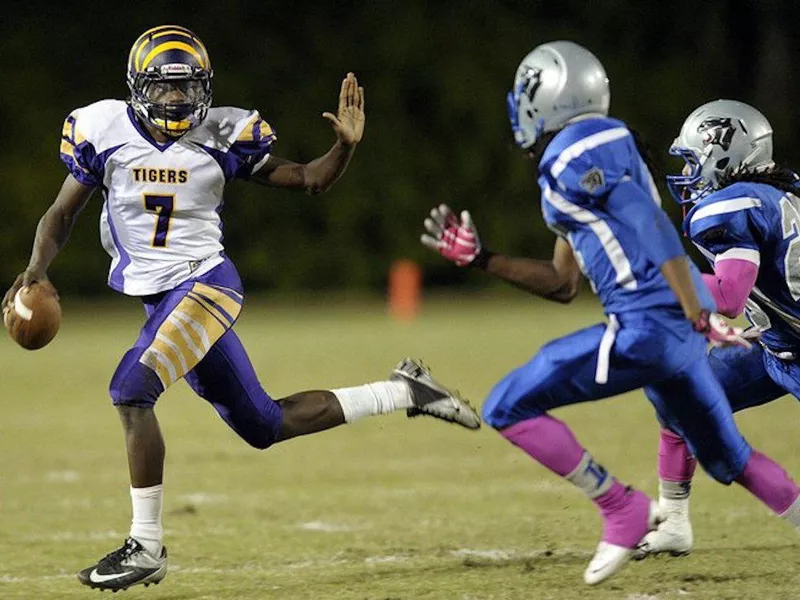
<point x="531" y="81"/>
<point x="717" y="130"/>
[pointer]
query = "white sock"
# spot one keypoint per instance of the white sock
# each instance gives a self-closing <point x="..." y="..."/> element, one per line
<point x="373" y="399"/>
<point x="674" y="497"/>
<point x="146" y="525"/>
<point x="792" y="514"/>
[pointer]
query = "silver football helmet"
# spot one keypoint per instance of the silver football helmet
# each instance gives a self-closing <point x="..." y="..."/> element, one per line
<point x="555" y="83"/>
<point x="718" y="139"/>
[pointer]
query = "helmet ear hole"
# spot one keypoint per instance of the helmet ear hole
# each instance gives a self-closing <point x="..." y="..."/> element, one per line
<point x="722" y="163"/>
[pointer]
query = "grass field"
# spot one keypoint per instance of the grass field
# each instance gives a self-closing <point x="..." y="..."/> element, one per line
<point x="385" y="509"/>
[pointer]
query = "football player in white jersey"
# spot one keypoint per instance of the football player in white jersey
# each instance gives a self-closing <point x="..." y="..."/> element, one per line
<point x="161" y="160"/>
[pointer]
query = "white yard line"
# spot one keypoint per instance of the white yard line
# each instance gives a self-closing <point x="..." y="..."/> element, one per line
<point x="40" y="578"/>
<point x="84" y="536"/>
<point x="327" y="527"/>
<point x="202" y="498"/>
<point x="62" y="476"/>
<point x="78" y="536"/>
<point x="392" y="558"/>
<point x="496" y="554"/>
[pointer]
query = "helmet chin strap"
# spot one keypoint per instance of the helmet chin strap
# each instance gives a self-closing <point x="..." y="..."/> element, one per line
<point x="174" y="123"/>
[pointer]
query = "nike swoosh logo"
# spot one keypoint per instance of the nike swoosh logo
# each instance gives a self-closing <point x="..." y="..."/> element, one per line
<point x="598" y="569"/>
<point x="95" y="577"/>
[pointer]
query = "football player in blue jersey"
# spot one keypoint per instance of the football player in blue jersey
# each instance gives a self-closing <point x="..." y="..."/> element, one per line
<point x="745" y="220"/>
<point x="599" y="198"/>
<point x="162" y="160"/>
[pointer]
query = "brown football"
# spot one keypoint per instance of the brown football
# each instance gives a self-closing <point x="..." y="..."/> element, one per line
<point x="35" y="316"/>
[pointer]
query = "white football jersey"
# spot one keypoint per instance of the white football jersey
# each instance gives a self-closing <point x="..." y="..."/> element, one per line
<point x="161" y="217"/>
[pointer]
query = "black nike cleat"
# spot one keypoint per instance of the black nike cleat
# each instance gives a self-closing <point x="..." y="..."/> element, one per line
<point x="432" y="398"/>
<point x="129" y="565"/>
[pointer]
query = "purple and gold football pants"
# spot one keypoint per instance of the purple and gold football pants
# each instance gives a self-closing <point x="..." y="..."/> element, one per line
<point x="188" y="334"/>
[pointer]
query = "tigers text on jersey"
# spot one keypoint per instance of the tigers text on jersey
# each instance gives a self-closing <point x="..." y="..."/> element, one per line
<point x="758" y="223"/>
<point x="161" y="217"/>
<point x="579" y="168"/>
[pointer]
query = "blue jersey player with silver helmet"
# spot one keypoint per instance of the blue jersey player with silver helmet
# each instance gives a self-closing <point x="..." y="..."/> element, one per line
<point x="746" y="221"/>
<point x="162" y="160"/>
<point x="599" y="198"/>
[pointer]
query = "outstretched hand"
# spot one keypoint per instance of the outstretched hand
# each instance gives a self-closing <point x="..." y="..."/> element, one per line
<point x="348" y="122"/>
<point x="455" y="240"/>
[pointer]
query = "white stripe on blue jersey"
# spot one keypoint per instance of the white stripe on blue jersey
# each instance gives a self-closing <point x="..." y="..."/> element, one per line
<point x="611" y="246"/>
<point x="725" y="206"/>
<point x="748" y="254"/>
<point x="653" y="189"/>
<point x="709" y="256"/>
<point x="592" y="141"/>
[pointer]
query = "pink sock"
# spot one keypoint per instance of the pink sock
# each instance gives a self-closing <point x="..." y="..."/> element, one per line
<point x="675" y="462"/>
<point x="626" y="515"/>
<point x="613" y="499"/>
<point x="547" y="440"/>
<point x="551" y="442"/>
<point x="767" y="481"/>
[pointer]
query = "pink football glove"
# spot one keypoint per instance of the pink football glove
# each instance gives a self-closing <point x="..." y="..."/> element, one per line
<point x="456" y="241"/>
<point x="718" y="331"/>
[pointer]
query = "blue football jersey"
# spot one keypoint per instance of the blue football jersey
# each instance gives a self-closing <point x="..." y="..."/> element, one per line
<point x="579" y="168"/>
<point x="759" y="223"/>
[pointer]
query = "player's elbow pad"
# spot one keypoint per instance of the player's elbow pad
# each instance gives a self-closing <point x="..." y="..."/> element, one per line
<point x="657" y="236"/>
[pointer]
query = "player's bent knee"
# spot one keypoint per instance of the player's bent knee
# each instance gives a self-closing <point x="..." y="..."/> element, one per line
<point x="724" y="469"/>
<point x="492" y="410"/>
<point x="720" y="472"/>
<point x="492" y="415"/>
<point x="261" y="443"/>
<point x="503" y="407"/>
<point x="134" y="384"/>
<point x="260" y="440"/>
<point x="259" y="428"/>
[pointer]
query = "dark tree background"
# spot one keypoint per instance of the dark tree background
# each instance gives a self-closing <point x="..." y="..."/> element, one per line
<point x="436" y="75"/>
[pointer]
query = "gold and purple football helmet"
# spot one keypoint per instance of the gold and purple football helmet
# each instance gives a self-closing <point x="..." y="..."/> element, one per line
<point x="169" y="76"/>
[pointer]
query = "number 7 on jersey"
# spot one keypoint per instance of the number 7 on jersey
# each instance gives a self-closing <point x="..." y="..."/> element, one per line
<point x="162" y="206"/>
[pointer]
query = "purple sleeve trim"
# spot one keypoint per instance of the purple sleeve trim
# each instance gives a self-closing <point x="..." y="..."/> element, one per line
<point x="238" y="161"/>
<point x="83" y="162"/>
<point x="249" y="154"/>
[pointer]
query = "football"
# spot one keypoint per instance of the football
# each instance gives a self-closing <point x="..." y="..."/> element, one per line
<point x="34" y="316"/>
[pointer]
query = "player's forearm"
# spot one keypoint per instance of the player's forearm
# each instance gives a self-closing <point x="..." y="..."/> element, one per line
<point x="730" y="284"/>
<point x="321" y="173"/>
<point x="52" y="234"/>
<point x="539" y="277"/>
<point x="676" y="272"/>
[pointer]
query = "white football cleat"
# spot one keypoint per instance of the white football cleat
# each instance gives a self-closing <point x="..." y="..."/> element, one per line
<point x="610" y="558"/>
<point x="673" y="536"/>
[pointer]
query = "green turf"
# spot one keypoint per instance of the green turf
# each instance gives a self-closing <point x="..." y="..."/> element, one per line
<point x="385" y="509"/>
